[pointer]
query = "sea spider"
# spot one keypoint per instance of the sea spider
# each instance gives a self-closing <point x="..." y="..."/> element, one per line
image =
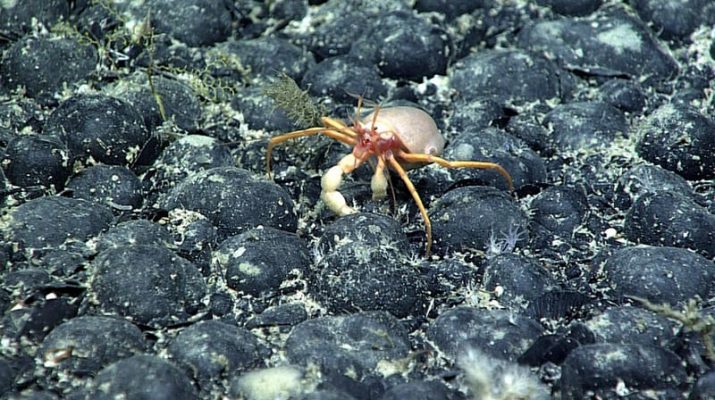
<point x="399" y="138"/>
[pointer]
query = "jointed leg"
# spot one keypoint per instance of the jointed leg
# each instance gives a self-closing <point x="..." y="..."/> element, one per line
<point x="411" y="188"/>
<point x="339" y="126"/>
<point x="427" y="159"/>
<point x="339" y="136"/>
<point x="331" y="182"/>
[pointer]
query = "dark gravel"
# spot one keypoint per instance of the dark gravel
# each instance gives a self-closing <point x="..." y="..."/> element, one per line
<point x="144" y="253"/>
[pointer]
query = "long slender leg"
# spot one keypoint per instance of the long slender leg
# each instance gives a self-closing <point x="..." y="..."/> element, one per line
<point x="427" y="159"/>
<point x="428" y="224"/>
<point x="339" y="126"/>
<point x="331" y="180"/>
<point x="339" y="136"/>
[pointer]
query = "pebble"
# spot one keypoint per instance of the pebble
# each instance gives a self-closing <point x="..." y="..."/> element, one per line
<point x="643" y="179"/>
<point x="518" y="279"/>
<point x="680" y="139"/>
<point x="234" y="200"/>
<point x="114" y="186"/>
<point x="671" y="219"/>
<point x="661" y="275"/>
<point x="48" y="222"/>
<point x="285" y="57"/>
<point x="258" y="261"/>
<point x="350" y="344"/>
<point x="142" y="376"/>
<point x="606" y="369"/>
<point x="84" y="345"/>
<point x="512" y="78"/>
<point x="341" y="77"/>
<point x="101" y="128"/>
<point x="608" y="44"/>
<point x="403" y="46"/>
<point x="559" y="210"/>
<point x="36" y="160"/>
<point x="634" y="325"/>
<point x="42" y="66"/>
<point x="148" y="284"/>
<point x="585" y="125"/>
<point x="211" y="350"/>
<point x="195" y="23"/>
<point x="498" y="333"/>
<point x="467" y="217"/>
<point x="366" y="268"/>
<point x="525" y="167"/>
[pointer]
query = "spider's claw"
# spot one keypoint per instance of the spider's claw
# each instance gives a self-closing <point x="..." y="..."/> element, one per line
<point x="379" y="181"/>
<point x="330" y="182"/>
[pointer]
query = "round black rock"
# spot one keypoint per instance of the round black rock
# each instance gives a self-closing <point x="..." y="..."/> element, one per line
<point x="475" y="115"/>
<point x="186" y="156"/>
<point x="659" y="274"/>
<point x="341" y="76"/>
<point x="234" y="200"/>
<point x="18" y="17"/>
<point x="342" y="22"/>
<point x="36" y="160"/>
<point x="194" y="22"/>
<point x="364" y="267"/>
<point x="704" y="388"/>
<point x="112" y="185"/>
<point x="612" y="44"/>
<point x="646" y="178"/>
<point x="498" y="333"/>
<point x="671" y="219"/>
<point x="521" y="279"/>
<point x="679" y="138"/>
<point x="212" y="350"/>
<point x="137" y="231"/>
<point x="417" y="390"/>
<point x="261" y="112"/>
<point x="465" y="218"/>
<point x="633" y="325"/>
<point x="284" y="57"/>
<point x="572" y="7"/>
<point x="100" y="127"/>
<point x="371" y="230"/>
<point x="143" y="377"/>
<point x="149" y="284"/>
<point x="90" y="343"/>
<point x="527" y="127"/>
<point x="404" y="46"/>
<point x="351" y="345"/>
<point x="494" y="145"/>
<point x="259" y="260"/>
<point x="49" y="222"/>
<point x="180" y="104"/>
<point x="559" y="210"/>
<point x="671" y="21"/>
<point x="582" y="125"/>
<point x="624" y="94"/>
<point x="601" y="367"/>
<point x="508" y="77"/>
<point x="42" y="65"/>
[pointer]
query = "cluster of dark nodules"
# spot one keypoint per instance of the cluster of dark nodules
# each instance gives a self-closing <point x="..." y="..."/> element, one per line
<point x="144" y="253"/>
